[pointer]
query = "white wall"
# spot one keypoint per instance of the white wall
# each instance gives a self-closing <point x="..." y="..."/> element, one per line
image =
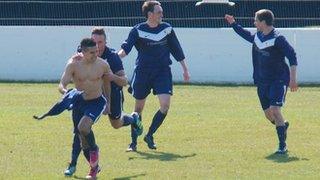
<point x="213" y="55"/>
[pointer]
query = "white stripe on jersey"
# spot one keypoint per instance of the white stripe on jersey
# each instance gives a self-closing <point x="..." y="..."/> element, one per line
<point x="263" y="45"/>
<point x="155" y="37"/>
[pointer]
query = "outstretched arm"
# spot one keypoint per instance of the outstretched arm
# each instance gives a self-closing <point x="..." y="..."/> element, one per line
<point x="128" y="43"/>
<point x="245" y="34"/>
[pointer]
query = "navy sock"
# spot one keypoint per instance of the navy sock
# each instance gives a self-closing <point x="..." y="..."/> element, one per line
<point x="156" y="122"/>
<point x="281" y="130"/>
<point x="91" y="141"/>
<point x="127" y="120"/>
<point x="86" y="153"/>
<point x="134" y="136"/>
<point x="76" y="149"/>
<point x="286" y="125"/>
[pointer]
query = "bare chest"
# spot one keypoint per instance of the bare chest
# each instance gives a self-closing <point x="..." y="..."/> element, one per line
<point x="88" y="73"/>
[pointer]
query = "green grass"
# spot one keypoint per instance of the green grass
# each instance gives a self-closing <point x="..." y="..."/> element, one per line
<point x="211" y="132"/>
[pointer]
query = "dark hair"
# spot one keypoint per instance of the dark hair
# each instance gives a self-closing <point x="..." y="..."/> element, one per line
<point x="98" y="31"/>
<point x="148" y="6"/>
<point x="87" y="43"/>
<point x="265" y="15"/>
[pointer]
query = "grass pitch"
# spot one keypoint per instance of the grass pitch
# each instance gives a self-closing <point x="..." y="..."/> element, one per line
<point x="210" y="133"/>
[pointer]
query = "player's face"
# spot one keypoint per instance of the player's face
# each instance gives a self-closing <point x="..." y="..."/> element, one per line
<point x="258" y="24"/>
<point x="157" y="14"/>
<point x="101" y="43"/>
<point x="90" y="53"/>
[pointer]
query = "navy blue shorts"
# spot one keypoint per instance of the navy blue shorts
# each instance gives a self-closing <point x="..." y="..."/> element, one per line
<point x="92" y="108"/>
<point x="272" y="95"/>
<point x="116" y="103"/>
<point x="143" y="80"/>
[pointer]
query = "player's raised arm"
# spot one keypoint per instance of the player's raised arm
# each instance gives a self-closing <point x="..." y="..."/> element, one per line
<point x="245" y="34"/>
<point x="66" y="77"/>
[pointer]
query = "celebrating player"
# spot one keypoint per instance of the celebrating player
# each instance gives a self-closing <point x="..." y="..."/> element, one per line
<point x="154" y="41"/>
<point x="271" y="74"/>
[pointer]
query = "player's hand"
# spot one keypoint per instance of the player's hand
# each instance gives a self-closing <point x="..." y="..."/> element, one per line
<point x="293" y="85"/>
<point x="77" y="56"/>
<point x="230" y="19"/>
<point x="186" y="76"/>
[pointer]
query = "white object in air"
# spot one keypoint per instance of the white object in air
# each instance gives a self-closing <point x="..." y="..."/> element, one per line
<point x="215" y="2"/>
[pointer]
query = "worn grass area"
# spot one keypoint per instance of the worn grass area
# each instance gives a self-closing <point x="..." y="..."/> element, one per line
<point x="211" y="132"/>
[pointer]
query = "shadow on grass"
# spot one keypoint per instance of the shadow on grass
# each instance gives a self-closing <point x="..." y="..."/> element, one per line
<point x="120" y="178"/>
<point x="284" y="158"/>
<point x="76" y="177"/>
<point x="161" y="156"/>
<point x="129" y="177"/>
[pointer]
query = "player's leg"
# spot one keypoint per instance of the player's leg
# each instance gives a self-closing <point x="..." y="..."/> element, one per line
<point x="117" y="118"/>
<point x="162" y="87"/>
<point x="140" y="89"/>
<point x="76" y="149"/>
<point x="158" y="118"/>
<point x="92" y="112"/>
<point x="87" y="136"/>
<point x="116" y="108"/>
<point x="263" y="94"/>
<point x="277" y="99"/>
<point x="269" y="115"/>
<point x="76" y="145"/>
<point x="139" y="105"/>
<point x="89" y="145"/>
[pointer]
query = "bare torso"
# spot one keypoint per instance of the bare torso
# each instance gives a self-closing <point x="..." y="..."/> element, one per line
<point x="87" y="77"/>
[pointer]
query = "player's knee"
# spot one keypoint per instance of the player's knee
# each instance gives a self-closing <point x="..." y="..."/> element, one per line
<point x="84" y="145"/>
<point x="83" y="129"/>
<point x="269" y="116"/>
<point x="138" y="110"/>
<point x="115" y="123"/>
<point x="164" y="109"/>
<point x="276" y="112"/>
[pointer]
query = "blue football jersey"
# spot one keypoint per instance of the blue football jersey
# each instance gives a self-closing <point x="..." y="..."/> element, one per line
<point x="268" y="55"/>
<point x="114" y="62"/>
<point x="154" y="45"/>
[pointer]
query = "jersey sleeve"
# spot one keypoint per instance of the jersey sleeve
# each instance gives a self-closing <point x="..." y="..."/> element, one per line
<point x="245" y="34"/>
<point x="130" y="41"/>
<point x="118" y="66"/>
<point x="175" y="47"/>
<point x="287" y="50"/>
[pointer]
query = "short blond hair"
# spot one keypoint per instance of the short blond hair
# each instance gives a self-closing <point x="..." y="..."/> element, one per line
<point x="98" y="31"/>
